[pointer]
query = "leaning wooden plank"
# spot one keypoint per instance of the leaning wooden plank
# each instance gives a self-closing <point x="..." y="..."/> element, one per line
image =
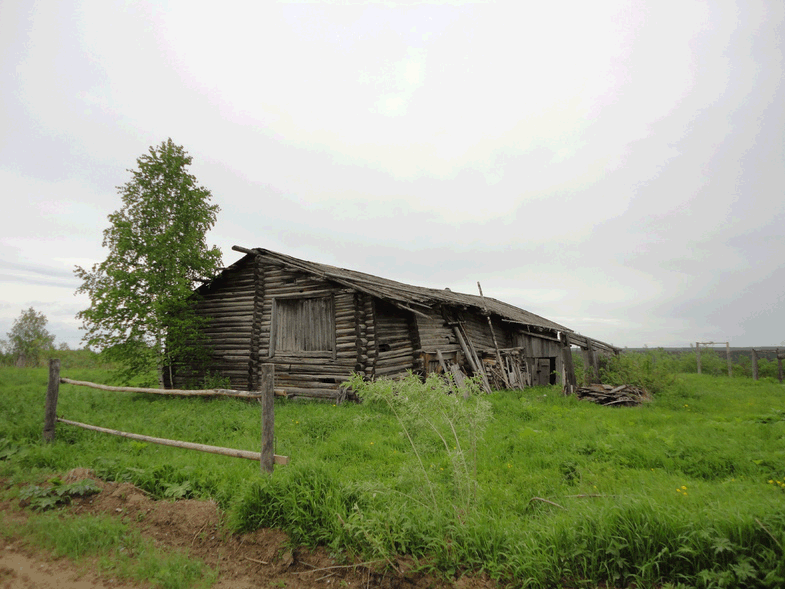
<point x="180" y="392"/>
<point x="177" y="443"/>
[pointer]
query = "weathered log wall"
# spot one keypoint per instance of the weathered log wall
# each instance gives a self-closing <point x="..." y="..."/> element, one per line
<point x="372" y="337"/>
<point x="435" y="333"/>
<point x="228" y="304"/>
<point x="311" y="374"/>
<point x="396" y="340"/>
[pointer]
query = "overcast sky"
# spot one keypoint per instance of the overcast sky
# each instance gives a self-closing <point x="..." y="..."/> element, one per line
<point x="617" y="167"/>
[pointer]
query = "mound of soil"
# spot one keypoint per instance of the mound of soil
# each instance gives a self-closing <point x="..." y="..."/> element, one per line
<point x="244" y="561"/>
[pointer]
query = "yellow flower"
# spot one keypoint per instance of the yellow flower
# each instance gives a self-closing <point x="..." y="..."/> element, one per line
<point x="771" y="482"/>
<point x="683" y="487"/>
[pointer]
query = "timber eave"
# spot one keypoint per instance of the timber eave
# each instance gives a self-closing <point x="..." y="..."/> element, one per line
<point x="414" y="299"/>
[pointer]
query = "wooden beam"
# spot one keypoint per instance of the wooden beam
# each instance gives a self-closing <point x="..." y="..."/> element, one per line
<point x="176" y="443"/>
<point x="174" y="392"/>
<point x="52" y="392"/>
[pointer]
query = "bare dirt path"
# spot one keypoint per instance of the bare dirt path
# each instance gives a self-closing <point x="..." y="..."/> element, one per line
<point x="24" y="570"/>
<point x="259" y="559"/>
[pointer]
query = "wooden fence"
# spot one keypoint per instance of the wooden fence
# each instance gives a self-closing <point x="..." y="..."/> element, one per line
<point x="753" y="355"/>
<point x="266" y="457"/>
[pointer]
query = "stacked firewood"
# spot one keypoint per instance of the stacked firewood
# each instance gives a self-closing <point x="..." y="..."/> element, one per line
<point x="625" y="395"/>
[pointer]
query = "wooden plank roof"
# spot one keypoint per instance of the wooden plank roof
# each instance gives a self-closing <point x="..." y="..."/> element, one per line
<point x="413" y="298"/>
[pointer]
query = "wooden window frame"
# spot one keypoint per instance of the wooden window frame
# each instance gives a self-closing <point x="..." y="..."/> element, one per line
<point x="326" y="354"/>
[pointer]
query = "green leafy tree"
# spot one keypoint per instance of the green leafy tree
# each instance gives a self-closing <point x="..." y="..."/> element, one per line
<point x="29" y="339"/>
<point x="141" y="295"/>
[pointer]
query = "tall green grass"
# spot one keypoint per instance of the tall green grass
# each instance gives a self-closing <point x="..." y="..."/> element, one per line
<point x="686" y="489"/>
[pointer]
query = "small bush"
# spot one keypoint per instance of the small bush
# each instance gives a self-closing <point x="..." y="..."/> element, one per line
<point x="650" y="371"/>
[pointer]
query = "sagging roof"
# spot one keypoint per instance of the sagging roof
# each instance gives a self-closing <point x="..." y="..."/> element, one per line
<point x="412" y="298"/>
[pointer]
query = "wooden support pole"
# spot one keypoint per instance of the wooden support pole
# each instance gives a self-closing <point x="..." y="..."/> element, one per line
<point x="780" y="357"/>
<point x="727" y="354"/>
<point x="754" y="364"/>
<point x="52" y="392"/>
<point x="698" y="355"/>
<point x="266" y="383"/>
<point x="502" y="367"/>
<point x="176" y="443"/>
<point x="570" y="382"/>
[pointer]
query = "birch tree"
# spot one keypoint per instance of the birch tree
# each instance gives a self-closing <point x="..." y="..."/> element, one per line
<point x="142" y="294"/>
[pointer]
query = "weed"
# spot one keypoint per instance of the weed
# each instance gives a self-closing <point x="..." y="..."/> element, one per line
<point x="43" y="498"/>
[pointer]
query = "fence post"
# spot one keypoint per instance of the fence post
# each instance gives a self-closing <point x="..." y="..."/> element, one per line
<point x="266" y="384"/>
<point x="754" y="364"/>
<point x="780" y="357"/>
<point x="727" y="355"/>
<point x="52" y="391"/>
<point x="698" y="355"/>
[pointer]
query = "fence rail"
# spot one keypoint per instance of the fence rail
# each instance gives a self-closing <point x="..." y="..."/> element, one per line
<point x="266" y="457"/>
<point x="173" y="392"/>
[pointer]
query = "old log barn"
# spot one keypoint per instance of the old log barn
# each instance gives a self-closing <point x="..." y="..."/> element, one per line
<point x="318" y="323"/>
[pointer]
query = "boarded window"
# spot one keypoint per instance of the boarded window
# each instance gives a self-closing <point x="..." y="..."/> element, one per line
<point x="304" y="327"/>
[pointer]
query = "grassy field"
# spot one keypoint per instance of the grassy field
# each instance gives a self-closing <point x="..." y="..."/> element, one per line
<point x="528" y="486"/>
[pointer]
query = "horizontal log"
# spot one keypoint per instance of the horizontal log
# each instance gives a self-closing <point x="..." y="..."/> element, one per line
<point x="396" y="349"/>
<point x="291" y="359"/>
<point x="395" y="360"/>
<point x="387" y="371"/>
<point x="313" y="393"/>
<point x="173" y="392"/>
<point x="238" y="336"/>
<point x="225" y="309"/>
<point x="332" y="377"/>
<point x="178" y="444"/>
<point x="244" y="315"/>
<point x="306" y="384"/>
<point x="292" y="291"/>
<point x="228" y="288"/>
<point x="234" y="294"/>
